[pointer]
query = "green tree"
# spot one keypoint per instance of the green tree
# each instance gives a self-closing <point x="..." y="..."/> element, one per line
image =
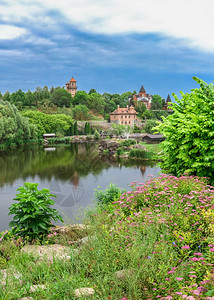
<point x="60" y="97"/>
<point x="80" y="98"/>
<point x="96" y="103"/>
<point x="80" y="112"/>
<point x="157" y="102"/>
<point x="92" y="91"/>
<point x="75" y="128"/>
<point x="189" y="133"/>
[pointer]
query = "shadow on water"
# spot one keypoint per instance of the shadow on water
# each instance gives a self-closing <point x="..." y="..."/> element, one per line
<point x="70" y="172"/>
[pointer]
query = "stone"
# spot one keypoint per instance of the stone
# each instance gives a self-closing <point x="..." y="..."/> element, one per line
<point x="86" y="292"/>
<point x="26" y="298"/>
<point x="124" y="274"/>
<point x="50" y="251"/>
<point x="35" y="288"/>
<point x="139" y="147"/>
<point x="9" y="273"/>
<point x="85" y="240"/>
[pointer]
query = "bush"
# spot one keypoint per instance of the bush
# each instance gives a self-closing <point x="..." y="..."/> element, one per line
<point x="33" y="212"/>
<point x="189" y="132"/>
<point x="96" y="135"/>
<point x="128" y="143"/>
<point x="110" y="194"/>
<point x="149" y="126"/>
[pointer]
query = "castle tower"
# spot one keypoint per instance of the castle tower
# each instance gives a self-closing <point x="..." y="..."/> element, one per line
<point x="71" y="87"/>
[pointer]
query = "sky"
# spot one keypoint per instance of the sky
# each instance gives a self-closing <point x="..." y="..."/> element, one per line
<point x="112" y="46"/>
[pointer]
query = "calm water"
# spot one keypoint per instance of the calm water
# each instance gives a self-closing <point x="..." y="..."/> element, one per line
<point x="70" y="172"/>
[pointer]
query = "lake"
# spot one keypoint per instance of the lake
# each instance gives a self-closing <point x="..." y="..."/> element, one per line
<point x="70" y="172"/>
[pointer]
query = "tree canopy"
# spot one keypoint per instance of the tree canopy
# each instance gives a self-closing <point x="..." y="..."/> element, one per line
<point x="189" y="132"/>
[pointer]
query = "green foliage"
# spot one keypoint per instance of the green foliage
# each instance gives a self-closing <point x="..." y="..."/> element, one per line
<point x="189" y="133"/>
<point x="127" y="143"/>
<point x="75" y="128"/>
<point x="149" y="126"/>
<point x="96" y="103"/>
<point x="49" y="123"/>
<point x="148" y="114"/>
<point x="106" y="151"/>
<point x="80" y="112"/>
<point x="110" y="194"/>
<point x="80" y="98"/>
<point x="157" y="102"/>
<point x="96" y="135"/>
<point x="63" y="140"/>
<point x="140" y="154"/>
<point x="61" y="97"/>
<point x="33" y="212"/>
<point x="14" y="128"/>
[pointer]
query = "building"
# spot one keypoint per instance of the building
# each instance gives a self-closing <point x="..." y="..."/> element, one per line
<point x="71" y="87"/>
<point x="124" y="116"/>
<point x="167" y="106"/>
<point x="142" y="97"/>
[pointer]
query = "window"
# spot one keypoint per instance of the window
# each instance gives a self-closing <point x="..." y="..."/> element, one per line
<point x="121" y="117"/>
<point x="121" y="122"/>
<point x="129" y="122"/>
<point x="125" y="116"/>
<point x="125" y="122"/>
<point x="129" y="117"/>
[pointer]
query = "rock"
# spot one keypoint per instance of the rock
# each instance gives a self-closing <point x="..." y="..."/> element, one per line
<point x="26" y="298"/>
<point x="9" y="273"/>
<point x="124" y="274"/>
<point x="124" y="155"/>
<point x="35" y="288"/>
<point x="86" y="292"/>
<point x="139" y="147"/>
<point x="49" y="251"/>
<point x="85" y="240"/>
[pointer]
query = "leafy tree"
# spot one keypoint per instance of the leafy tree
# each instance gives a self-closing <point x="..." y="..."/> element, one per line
<point x="14" y="128"/>
<point x="96" y="103"/>
<point x="157" y="102"/>
<point x="80" y="98"/>
<point x="189" y="133"/>
<point x="60" y="97"/>
<point x="6" y="96"/>
<point x="80" y="112"/>
<point x="92" y="91"/>
<point x="148" y="114"/>
<point x="149" y="126"/>
<point x="49" y="123"/>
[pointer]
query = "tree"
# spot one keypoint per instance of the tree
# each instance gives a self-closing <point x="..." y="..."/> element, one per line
<point x="80" y="112"/>
<point x="75" y="128"/>
<point x="92" y="91"/>
<point x="157" y="102"/>
<point x="189" y="133"/>
<point x="60" y="97"/>
<point x="96" y="103"/>
<point x="80" y="98"/>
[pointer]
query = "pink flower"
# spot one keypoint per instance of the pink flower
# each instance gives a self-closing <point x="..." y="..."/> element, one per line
<point x="212" y="249"/>
<point x="185" y="247"/>
<point x="179" y="278"/>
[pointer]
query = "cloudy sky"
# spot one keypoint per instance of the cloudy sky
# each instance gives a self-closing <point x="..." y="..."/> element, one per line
<point x="110" y="45"/>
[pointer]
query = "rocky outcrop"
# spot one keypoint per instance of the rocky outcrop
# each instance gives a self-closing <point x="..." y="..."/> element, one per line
<point x="84" y="292"/>
<point x="109" y="147"/>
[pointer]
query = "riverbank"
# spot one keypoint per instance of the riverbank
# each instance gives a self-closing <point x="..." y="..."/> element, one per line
<point x="153" y="242"/>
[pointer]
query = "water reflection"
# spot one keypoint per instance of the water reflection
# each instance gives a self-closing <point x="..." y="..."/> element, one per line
<point x="70" y="172"/>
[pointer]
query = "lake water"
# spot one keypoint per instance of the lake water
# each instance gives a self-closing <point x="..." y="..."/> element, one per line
<point x="70" y="172"/>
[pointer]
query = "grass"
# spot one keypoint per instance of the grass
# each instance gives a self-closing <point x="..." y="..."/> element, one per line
<point x="160" y="232"/>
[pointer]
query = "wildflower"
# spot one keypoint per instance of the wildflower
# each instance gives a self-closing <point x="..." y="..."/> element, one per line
<point x="179" y="278"/>
<point x="185" y="247"/>
<point x="212" y="249"/>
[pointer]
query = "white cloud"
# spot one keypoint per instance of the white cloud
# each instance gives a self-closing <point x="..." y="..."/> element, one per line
<point x="9" y="32"/>
<point x="189" y="21"/>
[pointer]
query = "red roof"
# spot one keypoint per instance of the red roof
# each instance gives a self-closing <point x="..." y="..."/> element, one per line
<point x="127" y="110"/>
<point x="72" y="79"/>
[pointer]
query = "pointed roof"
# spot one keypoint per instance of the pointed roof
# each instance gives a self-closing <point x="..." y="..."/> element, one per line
<point x="72" y="79"/>
<point x="142" y="90"/>
<point x="168" y="99"/>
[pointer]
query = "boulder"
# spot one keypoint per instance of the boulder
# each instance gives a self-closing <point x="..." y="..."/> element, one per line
<point x="84" y="292"/>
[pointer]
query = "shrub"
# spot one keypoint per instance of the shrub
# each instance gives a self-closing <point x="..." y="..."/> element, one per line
<point x="140" y="153"/>
<point x="110" y="194"/>
<point x="33" y="212"/>
<point x="128" y="143"/>
<point x="96" y="135"/>
<point x="189" y="132"/>
<point x="106" y="152"/>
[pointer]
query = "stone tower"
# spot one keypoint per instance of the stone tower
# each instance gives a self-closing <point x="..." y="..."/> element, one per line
<point x="71" y="87"/>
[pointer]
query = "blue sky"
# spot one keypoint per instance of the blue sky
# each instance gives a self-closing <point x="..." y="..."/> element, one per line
<point x="113" y="45"/>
